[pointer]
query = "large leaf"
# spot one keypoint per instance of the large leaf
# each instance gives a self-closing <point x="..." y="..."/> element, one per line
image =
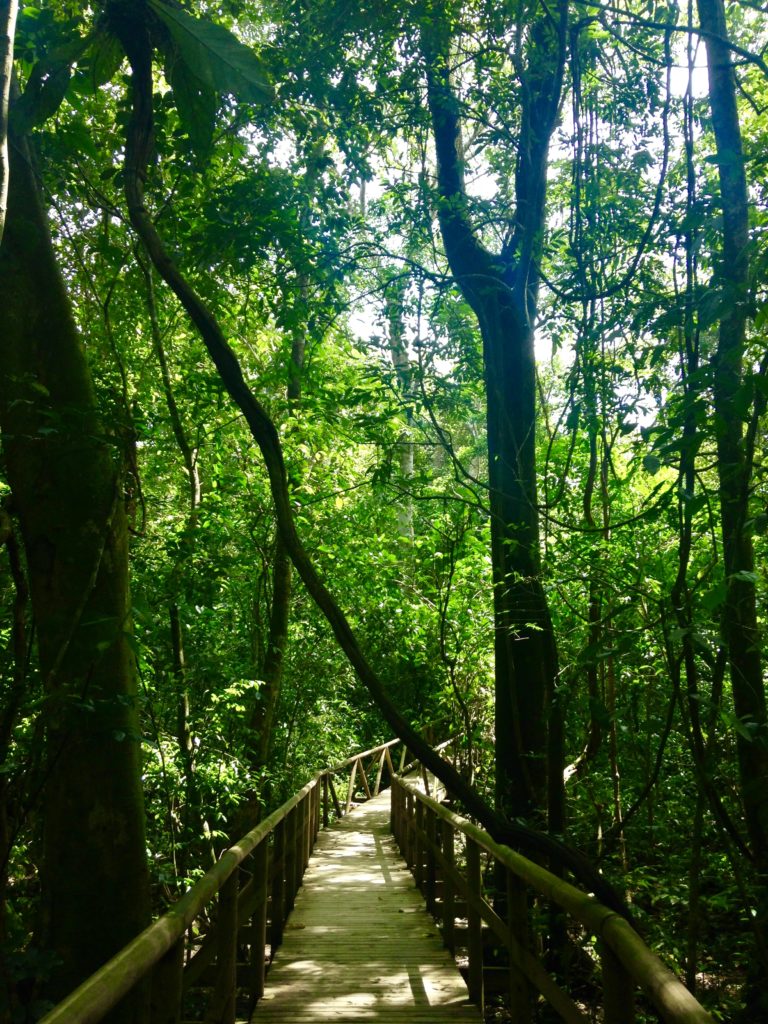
<point x="106" y="56"/>
<point x="195" y="102"/>
<point x="213" y="55"/>
<point x="47" y="85"/>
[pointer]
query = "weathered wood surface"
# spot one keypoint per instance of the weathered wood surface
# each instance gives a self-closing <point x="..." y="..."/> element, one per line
<point x="359" y="945"/>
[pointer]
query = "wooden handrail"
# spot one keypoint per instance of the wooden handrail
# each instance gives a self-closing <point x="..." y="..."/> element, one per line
<point x="277" y="871"/>
<point x="100" y="993"/>
<point x="624" y="955"/>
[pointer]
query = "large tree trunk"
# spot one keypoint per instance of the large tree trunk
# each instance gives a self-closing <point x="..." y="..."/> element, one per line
<point x="65" y="474"/>
<point x="740" y="618"/>
<point x="502" y="291"/>
<point x="740" y="630"/>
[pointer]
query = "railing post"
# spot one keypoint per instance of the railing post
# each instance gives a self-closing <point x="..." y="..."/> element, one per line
<point x="379" y="770"/>
<point x="517" y="920"/>
<point x="278" y="888"/>
<point x="449" y="903"/>
<point x="430" y="844"/>
<point x="418" y="860"/>
<point x="410" y="831"/>
<point x="222" y="1006"/>
<point x="336" y="804"/>
<point x="326" y="815"/>
<point x="306" y="838"/>
<point x="166" y="988"/>
<point x="475" y="925"/>
<point x="315" y="815"/>
<point x="290" y="858"/>
<point x="257" y="931"/>
<point x="364" y="777"/>
<point x="390" y="766"/>
<point x="352" y="776"/>
<point x="618" y="989"/>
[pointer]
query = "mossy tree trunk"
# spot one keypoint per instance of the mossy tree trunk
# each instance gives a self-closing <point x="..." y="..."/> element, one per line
<point x="65" y="472"/>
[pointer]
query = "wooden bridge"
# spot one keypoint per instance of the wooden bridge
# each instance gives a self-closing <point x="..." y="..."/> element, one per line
<point x="373" y="936"/>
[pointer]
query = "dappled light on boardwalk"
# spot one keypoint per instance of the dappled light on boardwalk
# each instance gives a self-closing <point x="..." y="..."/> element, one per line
<point x="359" y="945"/>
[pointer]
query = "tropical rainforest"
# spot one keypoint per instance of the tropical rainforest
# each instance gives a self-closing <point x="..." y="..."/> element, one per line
<point x="374" y="369"/>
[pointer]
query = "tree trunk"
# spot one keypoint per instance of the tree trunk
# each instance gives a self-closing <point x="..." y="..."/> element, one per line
<point x="502" y="292"/>
<point x="740" y="629"/>
<point x="739" y="615"/>
<point x="65" y="474"/>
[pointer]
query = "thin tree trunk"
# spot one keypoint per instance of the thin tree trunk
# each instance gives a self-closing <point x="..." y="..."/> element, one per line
<point x="401" y="363"/>
<point x="8" y="12"/>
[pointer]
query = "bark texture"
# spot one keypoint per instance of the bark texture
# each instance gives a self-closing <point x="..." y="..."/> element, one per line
<point x="65" y="474"/>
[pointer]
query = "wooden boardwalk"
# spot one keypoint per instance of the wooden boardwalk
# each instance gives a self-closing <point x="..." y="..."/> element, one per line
<point x="359" y="945"/>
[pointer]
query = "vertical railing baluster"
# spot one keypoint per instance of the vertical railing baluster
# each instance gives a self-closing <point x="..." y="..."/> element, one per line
<point x="475" y="925"/>
<point x="278" y="888"/>
<point x="618" y="989"/>
<point x="431" y="860"/>
<point x="326" y="814"/>
<point x="223" y="1000"/>
<point x="517" y="918"/>
<point x="306" y="838"/>
<point x="257" y="930"/>
<point x="352" y="776"/>
<point x="418" y="849"/>
<point x="449" y="902"/>
<point x="336" y="803"/>
<point x="291" y="824"/>
<point x="410" y="831"/>
<point x="165" y="993"/>
<point x="390" y="766"/>
<point x="364" y="777"/>
<point x="379" y="770"/>
<point x="316" y="815"/>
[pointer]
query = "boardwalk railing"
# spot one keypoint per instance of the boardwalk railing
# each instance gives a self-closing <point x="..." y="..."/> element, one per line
<point x="248" y="893"/>
<point x="445" y="852"/>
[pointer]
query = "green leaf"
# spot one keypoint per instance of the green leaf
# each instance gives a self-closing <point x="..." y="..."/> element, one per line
<point x="195" y="102"/>
<point x="652" y="464"/>
<point x="214" y="56"/>
<point x="106" y="57"/>
<point x="47" y="85"/>
<point x="744" y="576"/>
<point x="43" y="95"/>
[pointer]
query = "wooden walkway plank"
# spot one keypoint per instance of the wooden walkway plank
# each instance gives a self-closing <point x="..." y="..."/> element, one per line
<point x="359" y="945"/>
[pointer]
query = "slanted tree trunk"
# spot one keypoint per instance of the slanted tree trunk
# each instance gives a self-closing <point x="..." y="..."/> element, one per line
<point x="502" y="291"/>
<point x="65" y="473"/>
